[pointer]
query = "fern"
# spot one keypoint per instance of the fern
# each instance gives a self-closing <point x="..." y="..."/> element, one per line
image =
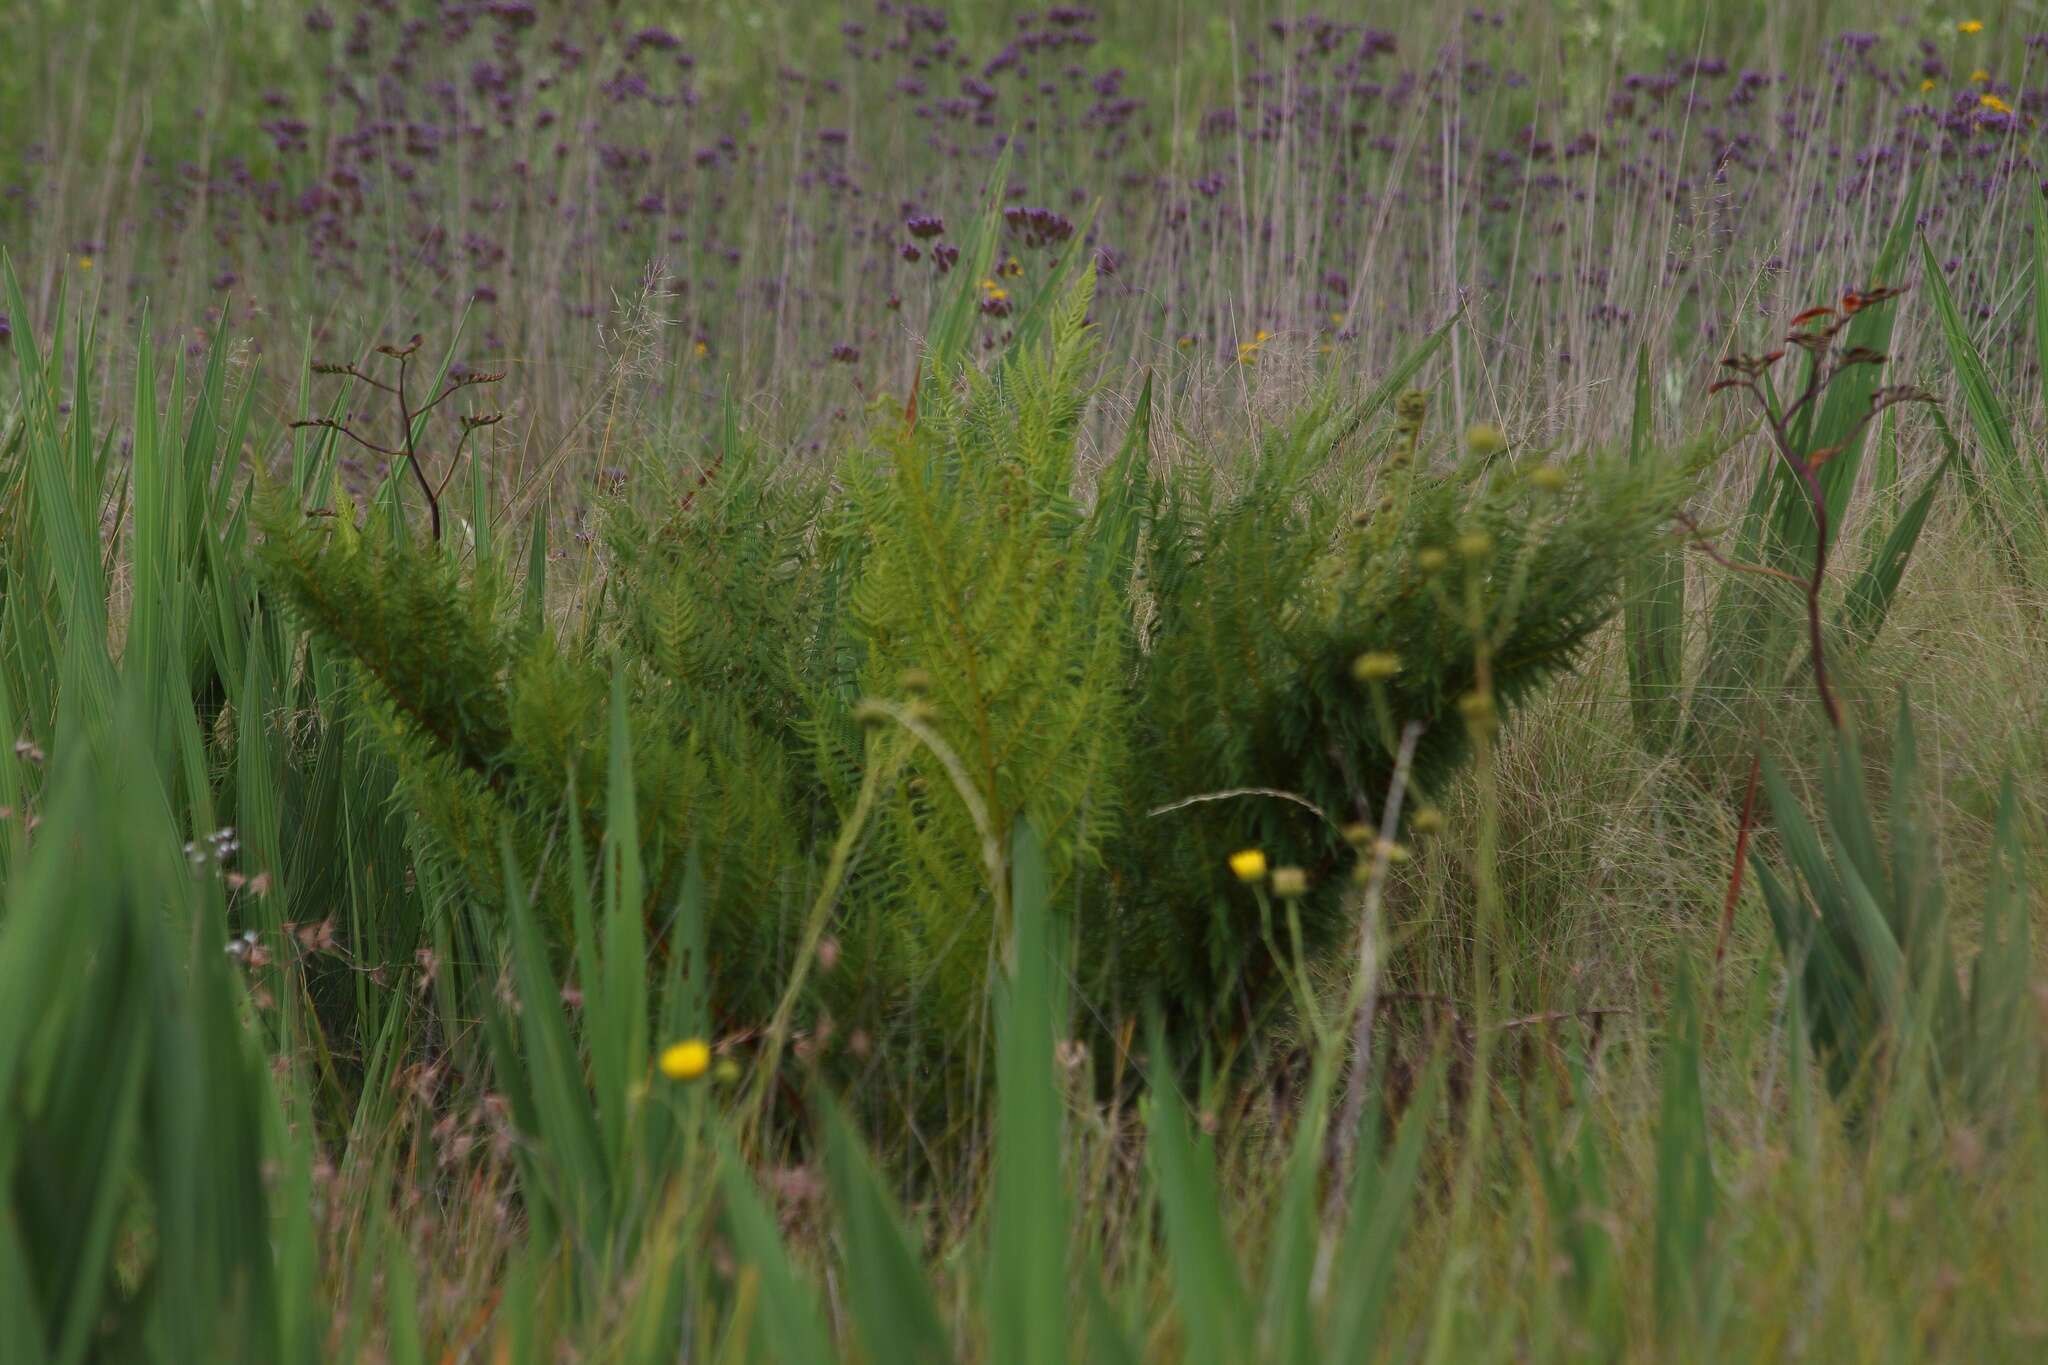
<point x="1088" y="666"/>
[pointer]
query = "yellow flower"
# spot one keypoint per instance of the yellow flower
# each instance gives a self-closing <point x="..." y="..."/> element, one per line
<point x="1248" y="865"/>
<point x="1994" y="104"/>
<point x="998" y="293"/>
<point x="1290" y="883"/>
<point x="702" y="350"/>
<point x="1262" y="335"/>
<point x="1926" y="86"/>
<point x="1431" y="558"/>
<point x="987" y="285"/>
<point x="85" y="262"/>
<point x="1981" y="76"/>
<point x="1336" y="319"/>
<point x="1970" y="26"/>
<point x="1185" y="342"/>
<point x="687" y="1060"/>
<point x="1377" y="666"/>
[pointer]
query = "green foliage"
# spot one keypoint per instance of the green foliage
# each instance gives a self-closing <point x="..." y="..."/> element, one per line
<point x="1470" y="586"/>
<point x="2009" y="486"/>
<point x="1045" y="642"/>
<point x="1869" y="939"/>
<point x="1753" y="624"/>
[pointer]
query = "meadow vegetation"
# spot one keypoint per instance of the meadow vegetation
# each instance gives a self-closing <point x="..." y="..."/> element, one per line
<point x="887" y="683"/>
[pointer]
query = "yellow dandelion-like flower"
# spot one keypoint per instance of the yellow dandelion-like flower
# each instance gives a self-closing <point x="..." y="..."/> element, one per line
<point x="1336" y="319"/>
<point x="1185" y="342"/>
<point x="1262" y="335"/>
<point x="687" y="1060"/>
<point x="1980" y="76"/>
<point x="85" y="262"/>
<point x="1926" y="86"/>
<point x="701" y="349"/>
<point x="1970" y="26"/>
<point x="1994" y="104"/>
<point x="1248" y="865"/>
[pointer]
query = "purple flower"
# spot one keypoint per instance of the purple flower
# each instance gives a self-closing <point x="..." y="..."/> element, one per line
<point x="845" y="354"/>
<point x="923" y="225"/>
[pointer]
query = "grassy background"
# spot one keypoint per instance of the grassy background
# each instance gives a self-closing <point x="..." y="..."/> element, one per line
<point x="382" y="1129"/>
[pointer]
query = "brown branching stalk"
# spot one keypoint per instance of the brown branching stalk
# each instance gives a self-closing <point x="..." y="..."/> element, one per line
<point x="411" y="421"/>
<point x="1817" y="331"/>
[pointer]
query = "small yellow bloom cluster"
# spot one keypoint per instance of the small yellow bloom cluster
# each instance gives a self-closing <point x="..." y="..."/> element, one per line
<point x="1247" y="350"/>
<point x="1994" y="104"/>
<point x="1970" y="26"/>
<point x="1248" y="865"/>
<point x="994" y="290"/>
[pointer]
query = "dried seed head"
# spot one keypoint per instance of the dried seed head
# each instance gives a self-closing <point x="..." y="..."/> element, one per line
<point x="1290" y="883"/>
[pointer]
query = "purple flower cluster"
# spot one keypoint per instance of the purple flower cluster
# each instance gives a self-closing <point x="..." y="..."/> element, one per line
<point x="528" y="163"/>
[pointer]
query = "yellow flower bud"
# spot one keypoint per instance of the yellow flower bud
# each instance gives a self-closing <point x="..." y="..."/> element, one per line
<point x="687" y="1060"/>
<point x="1484" y="438"/>
<point x="1475" y="544"/>
<point x="1290" y="883"/>
<point x="1548" y="478"/>
<point x="1378" y="666"/>
<point x="1429" y="559"/>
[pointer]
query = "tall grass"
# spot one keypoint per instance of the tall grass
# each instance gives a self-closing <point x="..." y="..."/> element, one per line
<point x="277" y="1085"/>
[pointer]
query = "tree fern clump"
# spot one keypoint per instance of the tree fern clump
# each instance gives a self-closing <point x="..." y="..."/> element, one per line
<point x="1291" y="644"/>
<point x="1116" y="671"/>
